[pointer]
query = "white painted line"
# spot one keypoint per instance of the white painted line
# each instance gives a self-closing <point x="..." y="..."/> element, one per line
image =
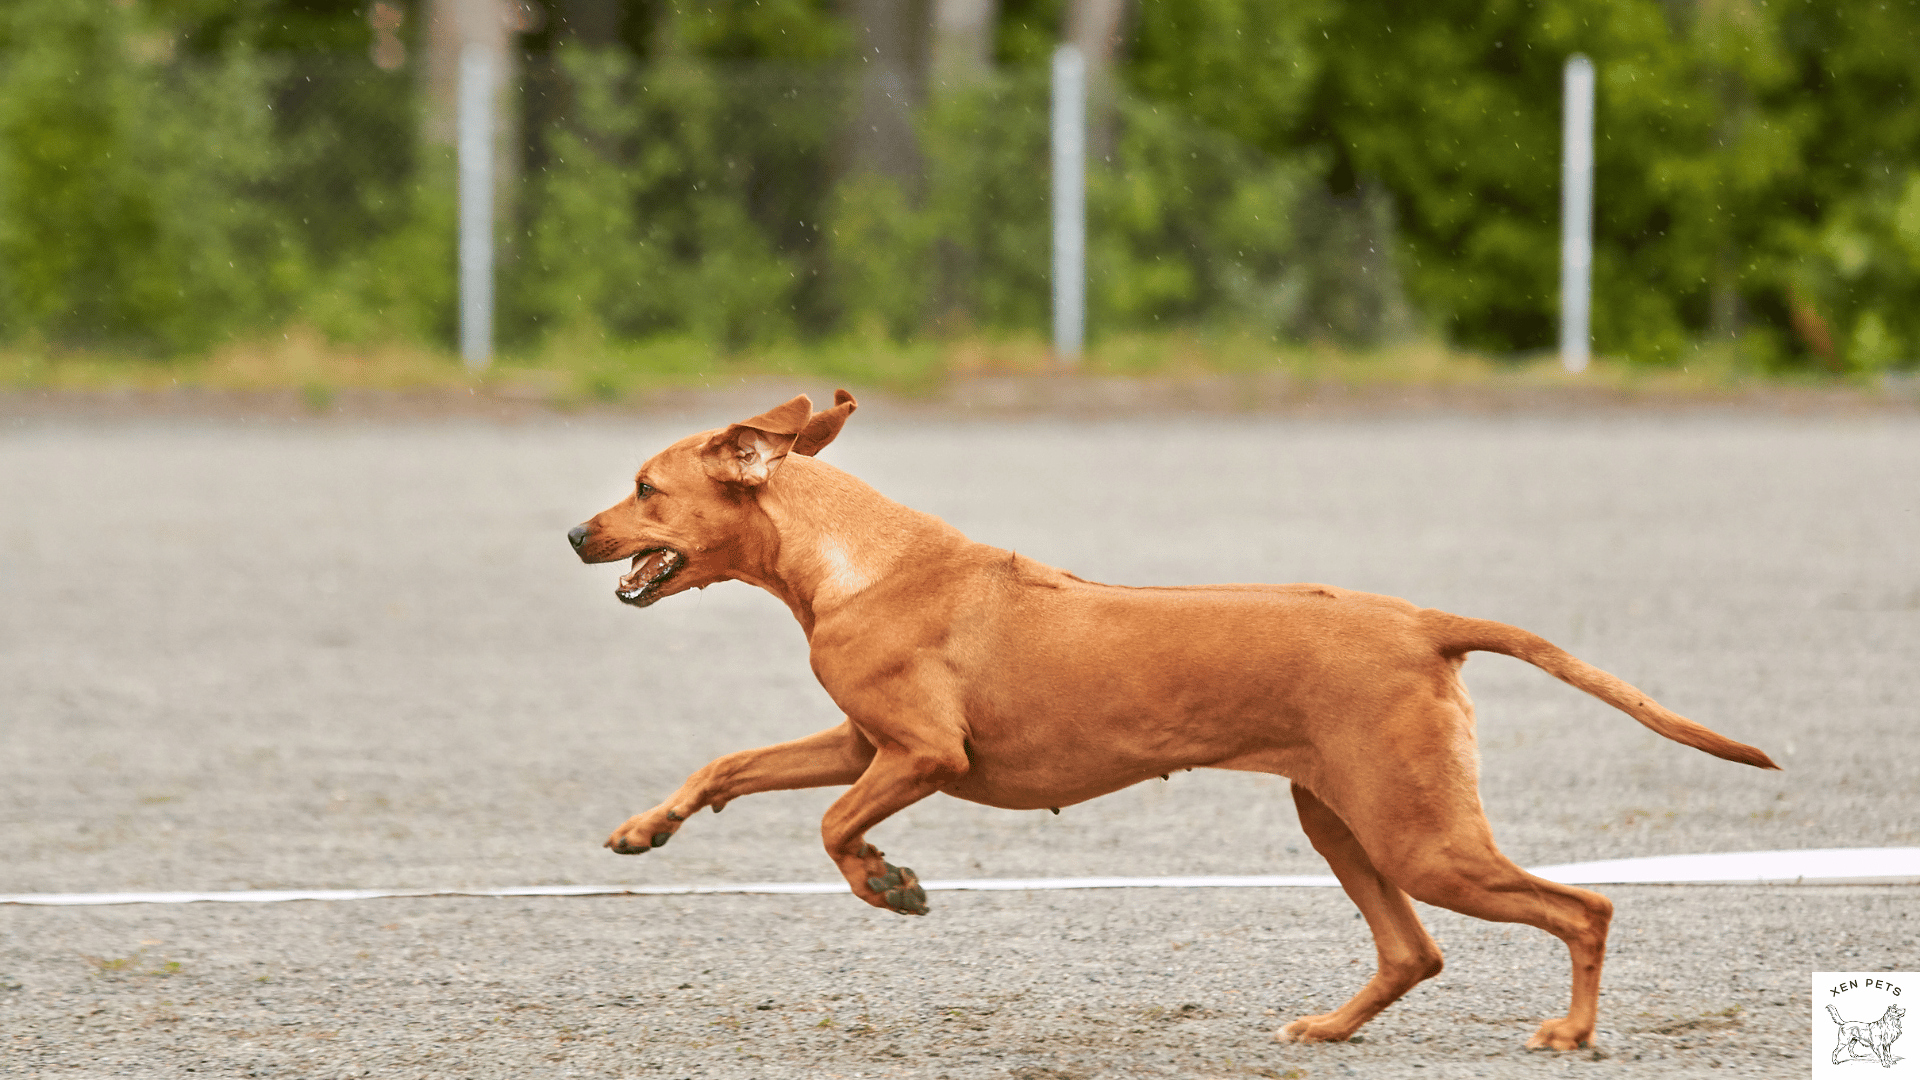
<point x="1824" y="866"/>
<point x="275" y="896"/>
<point x="1830" y="866"/>
<point x="1307" y="881"/>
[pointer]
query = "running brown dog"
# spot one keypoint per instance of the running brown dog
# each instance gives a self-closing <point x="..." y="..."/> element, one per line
<point x="973" y="671"/>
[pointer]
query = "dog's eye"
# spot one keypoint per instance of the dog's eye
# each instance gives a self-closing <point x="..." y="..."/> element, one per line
<point x="641" y="491"/>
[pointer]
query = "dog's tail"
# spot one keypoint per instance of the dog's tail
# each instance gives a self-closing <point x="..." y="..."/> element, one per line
<point x="1835" y="1013"/>
<point x="1456" y="636"/>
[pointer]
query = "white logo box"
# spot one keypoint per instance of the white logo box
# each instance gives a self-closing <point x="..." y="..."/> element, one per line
<point x="1863" y="1024"/>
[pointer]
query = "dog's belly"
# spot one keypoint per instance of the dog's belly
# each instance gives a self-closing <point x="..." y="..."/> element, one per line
<point x="1025" y="793"/>
<point x="1076" y="743"/>
<point x="1014" y="784"/>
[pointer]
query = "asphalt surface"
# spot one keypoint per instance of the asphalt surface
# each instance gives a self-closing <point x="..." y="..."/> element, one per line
<point x="336" y="654"/>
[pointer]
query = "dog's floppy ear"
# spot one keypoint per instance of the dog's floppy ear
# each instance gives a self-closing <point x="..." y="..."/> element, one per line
<point x="825" y="424"/>
<point x="748" y="452"/>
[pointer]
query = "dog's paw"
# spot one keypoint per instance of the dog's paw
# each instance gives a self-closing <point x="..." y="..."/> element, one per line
<point x="1561" y="1034"/>
<point x="881" y="883"/>
<point x="1313" y="1029"/>
<point x="642" y="833"/>
<point x="899" y="889"/>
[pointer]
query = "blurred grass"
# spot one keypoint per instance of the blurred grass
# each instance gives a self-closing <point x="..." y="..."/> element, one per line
<point x="586" y="369"/>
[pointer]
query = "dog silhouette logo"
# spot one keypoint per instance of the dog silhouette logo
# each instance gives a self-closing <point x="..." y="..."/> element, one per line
<point x="1864" y="1018"/>
<point x="1859" y="1039"/>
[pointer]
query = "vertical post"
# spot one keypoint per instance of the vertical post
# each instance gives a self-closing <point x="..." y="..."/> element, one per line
<point x="1576" y="216"/>
<point x="1069" y="202"/>
<point x="476" y="124"/>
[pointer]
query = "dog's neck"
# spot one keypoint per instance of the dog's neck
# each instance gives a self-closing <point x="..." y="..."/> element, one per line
<point x="835" y="537"/>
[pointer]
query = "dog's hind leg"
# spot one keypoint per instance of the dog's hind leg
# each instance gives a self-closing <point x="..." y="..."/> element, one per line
<point x="824" y="759"/>
<point x="1454" y="864"/>
<point x="1407" y="954"/>
<point x="1417" y="813"/>
<point x="1493" y="888"/>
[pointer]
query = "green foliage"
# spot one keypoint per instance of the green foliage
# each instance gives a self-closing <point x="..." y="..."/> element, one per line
<point x="1026" y="33"/>
<point x="1735" y="167"/>
<point x="878" y="250"/>
<point x="1243" y="67"/>
<point x="176" y="173"/>
<point x="649" y="221"/>
<point x="165" y="203"/>
<point x="398" y="282"/>
<point x="781" y="31"/>
<point x="986" y="151"/>
<point x="1455" y="107"/>
<point x="119" y="182"/>
<point x="1190" y="225"/>
<point x="645" y="219"/>
<point x="1847" y="241"/>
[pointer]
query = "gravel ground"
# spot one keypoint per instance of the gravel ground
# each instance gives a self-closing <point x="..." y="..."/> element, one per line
<point x="1037" y="987"/>
<point x="338" y="654"/>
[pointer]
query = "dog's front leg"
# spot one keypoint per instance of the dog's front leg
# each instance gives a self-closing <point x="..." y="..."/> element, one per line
<point x="825" y="759"/>
<point x="898" y="777"/>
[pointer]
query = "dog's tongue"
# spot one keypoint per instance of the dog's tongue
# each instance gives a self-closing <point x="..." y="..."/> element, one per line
<point x="647" y="568"/>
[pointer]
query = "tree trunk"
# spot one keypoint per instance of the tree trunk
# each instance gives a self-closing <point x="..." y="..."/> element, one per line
<point x="891" y="38"/>
<point x="962" y="53"/>
<point x="1098" y="27"/>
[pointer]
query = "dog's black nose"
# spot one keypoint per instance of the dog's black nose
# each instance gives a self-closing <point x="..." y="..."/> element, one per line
<point x="577" y="536"/>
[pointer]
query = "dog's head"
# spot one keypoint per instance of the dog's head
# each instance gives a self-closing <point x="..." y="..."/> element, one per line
<point x="693" y="516"/>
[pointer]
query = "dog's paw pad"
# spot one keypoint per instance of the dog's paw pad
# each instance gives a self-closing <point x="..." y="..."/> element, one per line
<point x="907" y="901"/>
<point x="894" y="878"/>
<point x="660" y="839"/>
<point x="900" y="888"/>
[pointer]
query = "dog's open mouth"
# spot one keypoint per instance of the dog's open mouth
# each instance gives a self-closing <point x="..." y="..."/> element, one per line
<point x="651" y="569"/>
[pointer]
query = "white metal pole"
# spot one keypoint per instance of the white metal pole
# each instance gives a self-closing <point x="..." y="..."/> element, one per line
<point x="476" y="122"/>
<point x="1069" y="202"/>
<point x="1576" y="216"/>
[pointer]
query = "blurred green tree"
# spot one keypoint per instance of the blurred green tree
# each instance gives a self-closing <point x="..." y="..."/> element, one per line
<point x="1844" y="251"/>
<point x="176" y="172"/>
<point x="1455" y="107"/>
<point x="123" y="180"/>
